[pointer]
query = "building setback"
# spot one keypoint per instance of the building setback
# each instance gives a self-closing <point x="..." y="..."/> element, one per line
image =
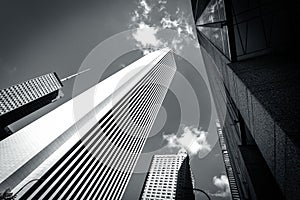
<point x="169" y="177"/>
<point x="87" y="147"/>
<point x="252" y="62"/>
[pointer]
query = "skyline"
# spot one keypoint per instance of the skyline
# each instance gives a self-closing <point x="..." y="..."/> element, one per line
<point x="186" y="82"/>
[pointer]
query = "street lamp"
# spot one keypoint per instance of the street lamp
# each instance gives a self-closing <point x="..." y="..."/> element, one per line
<point x="8" y="195"/>
<point x="199" y="191"/>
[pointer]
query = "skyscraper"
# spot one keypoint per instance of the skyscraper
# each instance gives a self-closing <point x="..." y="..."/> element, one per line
<point x="87" y="148"/>
<point x="20" y="100"/>
<point x="169" y="177"/>
<point x="252" y="66"/>
<point x="235" y="195"/>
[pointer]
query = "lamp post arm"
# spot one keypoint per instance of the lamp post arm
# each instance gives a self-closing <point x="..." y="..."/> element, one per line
<point x="36" y="179"/>
<point x="199" y="191"/>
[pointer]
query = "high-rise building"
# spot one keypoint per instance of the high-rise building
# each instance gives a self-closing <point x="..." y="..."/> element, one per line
<point x="251" y="60"/>
<point x="235" y="194"/>
<point x="169" y="177"/>
<point x="20" y="100"/>
<point x="87" y="147"/>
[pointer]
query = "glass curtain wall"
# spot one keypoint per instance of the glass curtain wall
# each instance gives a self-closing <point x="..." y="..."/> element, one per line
<point x="212" y="24"/>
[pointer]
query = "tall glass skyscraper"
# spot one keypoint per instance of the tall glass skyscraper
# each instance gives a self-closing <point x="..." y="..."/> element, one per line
<point x="87" y="148"/>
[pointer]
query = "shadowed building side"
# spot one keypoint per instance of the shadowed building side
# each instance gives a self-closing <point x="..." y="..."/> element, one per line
<point x="252" y="63"/>
<point x="185" y="183"/>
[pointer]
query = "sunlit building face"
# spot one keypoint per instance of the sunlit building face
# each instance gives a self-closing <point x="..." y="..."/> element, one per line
<point x="87" y="148"/>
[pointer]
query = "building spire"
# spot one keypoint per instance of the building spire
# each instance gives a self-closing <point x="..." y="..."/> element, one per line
<point x="74" y="75"/>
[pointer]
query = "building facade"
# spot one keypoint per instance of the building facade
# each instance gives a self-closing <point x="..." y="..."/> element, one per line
<point x="169" y="177"/>
<point x="22" y="99"/>
<point x="252" y="66"/>
<point x="235" y="193"/>
<point x="87" y="148"/>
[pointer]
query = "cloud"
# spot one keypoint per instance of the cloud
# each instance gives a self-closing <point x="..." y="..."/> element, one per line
<point x="147" y="34"/>
<point x="179" y="22"/>
<point x="146" y="8"/>
<point x="222" y="184"/>
<point x="168" y="23"/>
<point x="192" y="139"/>
<point x="141" y="14"/>
<point x="161" y="8"/>
<point x="162" y="1"/>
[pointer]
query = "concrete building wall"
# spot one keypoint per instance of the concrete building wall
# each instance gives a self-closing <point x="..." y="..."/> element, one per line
<point x="265" y="93"/>
<point x="259" y="86"/>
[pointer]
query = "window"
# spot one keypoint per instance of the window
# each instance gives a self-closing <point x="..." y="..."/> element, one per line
<point x="212" y="24"/>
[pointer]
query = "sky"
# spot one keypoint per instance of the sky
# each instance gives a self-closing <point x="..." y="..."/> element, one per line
<point x="105" y="36"/>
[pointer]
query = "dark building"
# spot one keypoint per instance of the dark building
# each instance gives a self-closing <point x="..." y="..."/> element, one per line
<point x="169" y="177"/>
<point x="250" y="54"/>
<point x="185" y="186"/>
<point x="22" y="99"/>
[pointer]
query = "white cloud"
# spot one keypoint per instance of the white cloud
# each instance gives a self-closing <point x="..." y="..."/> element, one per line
<point x="147" y="34"/>
<point x="145" y="7"/>
<point x="192" y="139"/>
<point x="141" y="14"/>
<point x="189" y="29"/>
<point x="145" y="37"/>
<point x="161" y="8"/>
<point x="180" y="23"/>
<point x="162" y="1"/>
<point x="135" y="16"/>
<point x="166" y="22"/>
<point x="222" y="184"/>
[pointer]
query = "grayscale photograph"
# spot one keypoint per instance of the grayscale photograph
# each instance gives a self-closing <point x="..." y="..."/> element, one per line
<point x="149" y="100"/>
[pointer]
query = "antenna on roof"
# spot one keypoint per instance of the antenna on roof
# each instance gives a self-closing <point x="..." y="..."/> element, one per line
<point x="73" y="75"/>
